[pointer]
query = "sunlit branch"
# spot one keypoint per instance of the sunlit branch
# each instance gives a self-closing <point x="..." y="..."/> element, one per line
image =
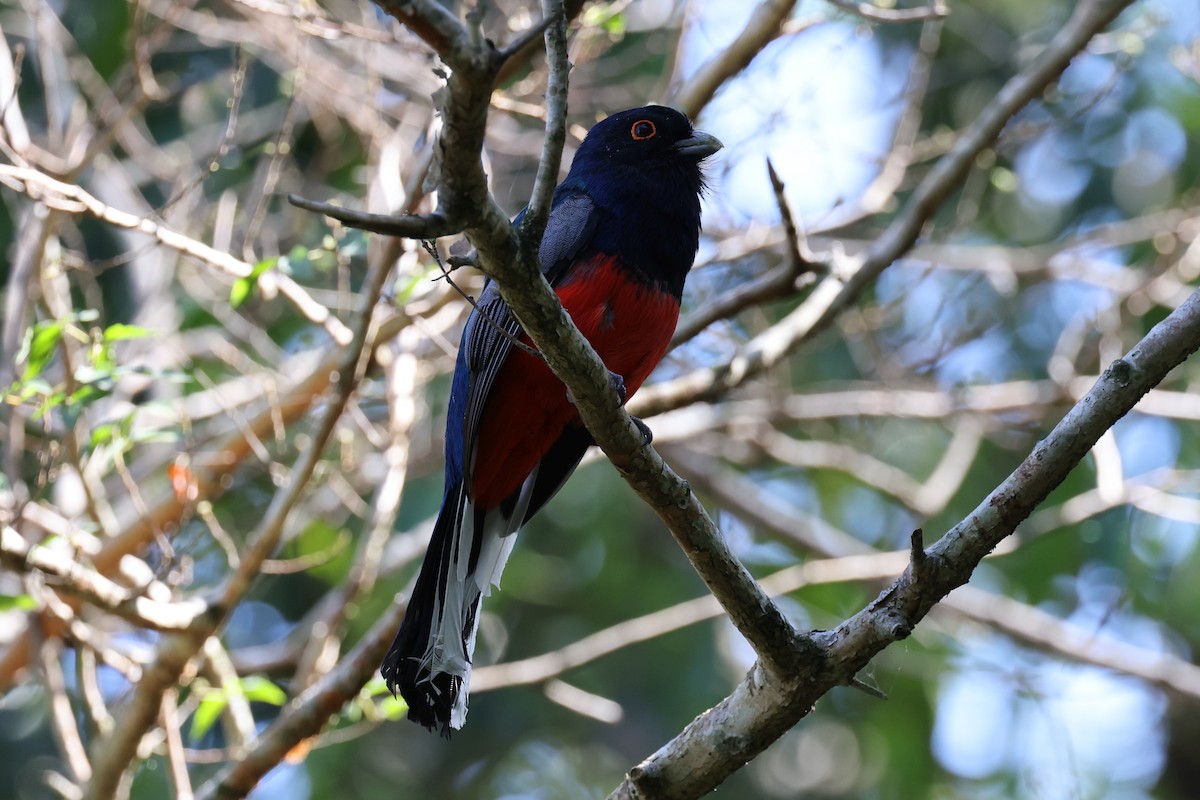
<point x="72" y="199"/>
<point x="850" y="275"/>
<point x="876" y="13"/>
<point x="68" y="575"/>
<point x="113" y="755"/>
<point x="761" y="706"/>
<point x="765" y="23"/>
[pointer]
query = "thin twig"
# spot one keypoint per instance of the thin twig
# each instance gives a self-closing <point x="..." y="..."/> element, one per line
<point x="849" y="276"/>
<point x="483" y="314"/>
<point x="413" y="226"/>
<point x="73" y="199"/>
<point x="766" y="23"/>
<point x="176" y="761"/>
<point x="533" y="223"/>
<point x="875" y="13"/>
<point x="71" y="576"/>
<point x="62" y="716"/>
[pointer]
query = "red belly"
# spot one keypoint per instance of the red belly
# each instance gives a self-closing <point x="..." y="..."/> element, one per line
<point x="629" y="325"/>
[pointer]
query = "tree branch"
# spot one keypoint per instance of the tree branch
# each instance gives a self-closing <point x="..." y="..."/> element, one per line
<point x="113" y="754"/>
<point x="533" y="223"/>
<point x="762" y="708"/>
<point x="73" y="199"/>
<point x="413" y="226"/>
<point x="766" y="22"/>
<point x="778" y="283"/>
<point x="512" y="263"/>
<point x="849" y="277"/>
<point x="876" y="13"/>
<point x="72" y="577"/>
<point x="305" y="715"/>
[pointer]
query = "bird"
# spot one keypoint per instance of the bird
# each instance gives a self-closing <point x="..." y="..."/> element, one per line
<point x="622" y="235"/>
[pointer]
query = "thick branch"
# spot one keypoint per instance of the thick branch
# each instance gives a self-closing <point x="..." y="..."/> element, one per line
<point x="502" y="256"/>
<point x="430" y="20"/>
<point x="761" y="708"/>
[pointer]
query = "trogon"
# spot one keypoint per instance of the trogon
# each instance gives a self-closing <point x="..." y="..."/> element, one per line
<point x="622" y="234"/>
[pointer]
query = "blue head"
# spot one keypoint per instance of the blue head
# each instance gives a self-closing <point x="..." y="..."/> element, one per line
<point x="641" y="168"/>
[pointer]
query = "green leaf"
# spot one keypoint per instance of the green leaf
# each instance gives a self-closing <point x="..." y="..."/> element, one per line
<point x="207" y="713"/>
<point x="101" y="434"/>
<point x="393" y="707"/>
<point x="50" y="401"/>
<point x="261" y="690"/>
<point x="120" y="331"/>
<point x="214" y="701"/>
<point x="31" y="388"/>
<point x="40" y="343"/>
<point x="244" y="287"/>
<point x="240" y="291"/>
<point x="17" y="602"/>
<point x="608" y="16"/>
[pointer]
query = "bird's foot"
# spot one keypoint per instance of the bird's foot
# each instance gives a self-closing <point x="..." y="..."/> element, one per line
<point x="644" y="429"/>
<point x="615" y="381"/>
<point x="618" y="383"/>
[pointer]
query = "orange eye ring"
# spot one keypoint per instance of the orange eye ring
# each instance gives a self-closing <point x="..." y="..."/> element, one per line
<point x="643" y="129"/>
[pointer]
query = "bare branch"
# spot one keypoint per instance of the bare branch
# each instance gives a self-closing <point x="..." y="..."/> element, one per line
<point x="67" y="197"/>
<point x="176" y="761"/>
<point x="876" y="13"/>
<point x="71" y="576"/>
<point x="537" y="669"/>
<point x="1025" y="624"/>
<point x="308" y="713"/>
<point x="61" y="714"/>
<point x="1030" y="625"/>
<point x="431" y="21"/>
<point x="533" y="223"/>
<point x="766" y="22"/>
<point x="113" y="754"/>
<point x="781" y="282"/>
<point x="762" y="707"/>
<point x="850" y="276"/>
<point x="413" y="226"/>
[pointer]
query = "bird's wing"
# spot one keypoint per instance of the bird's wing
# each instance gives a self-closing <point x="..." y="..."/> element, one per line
<point x="488" y="338"/>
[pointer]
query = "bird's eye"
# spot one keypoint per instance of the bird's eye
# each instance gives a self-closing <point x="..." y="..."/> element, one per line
<point x="643" y="129"/>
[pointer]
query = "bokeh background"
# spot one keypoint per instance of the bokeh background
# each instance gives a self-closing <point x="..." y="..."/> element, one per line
<point x="1066" y="242"/>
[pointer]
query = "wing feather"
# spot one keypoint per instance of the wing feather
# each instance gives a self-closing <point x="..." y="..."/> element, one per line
<point x="486" y="341"/>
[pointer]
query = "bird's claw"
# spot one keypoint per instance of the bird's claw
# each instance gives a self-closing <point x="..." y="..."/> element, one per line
<point x="615" y="381"/>
<point x="618" y="383"/>
<point x="644" y="429"/>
